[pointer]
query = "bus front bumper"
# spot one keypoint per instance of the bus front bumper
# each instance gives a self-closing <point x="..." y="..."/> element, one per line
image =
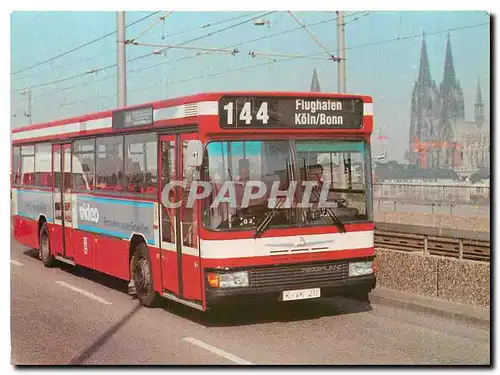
<point x="355" y="287"/>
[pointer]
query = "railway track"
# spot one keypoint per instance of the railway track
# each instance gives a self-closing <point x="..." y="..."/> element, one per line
<point x="460" y="248"/>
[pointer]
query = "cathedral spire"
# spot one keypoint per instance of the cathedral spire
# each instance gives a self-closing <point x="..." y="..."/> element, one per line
<point x="479" y="98"/>
<point x="449" y="77"/>
<point x="451" y="93"/>
<point x="425" y="105"/>
<point x="424" y="73"/>
<point x="315" y="82"/>
<point x="479" y="105"/>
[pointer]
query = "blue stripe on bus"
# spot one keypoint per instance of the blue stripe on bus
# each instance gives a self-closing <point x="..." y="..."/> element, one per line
<point x="108" y="232"/>
<point x="34" y="216"/>
<point x="117" y="201"/>
<point x="34" y="191"/>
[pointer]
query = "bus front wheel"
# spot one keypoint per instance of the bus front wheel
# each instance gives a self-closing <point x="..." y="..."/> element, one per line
<point x="44" y="252"/>
<point x="143" y="276"/>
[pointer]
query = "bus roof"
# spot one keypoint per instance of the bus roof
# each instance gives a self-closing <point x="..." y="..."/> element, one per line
<point x="186" y="107"/>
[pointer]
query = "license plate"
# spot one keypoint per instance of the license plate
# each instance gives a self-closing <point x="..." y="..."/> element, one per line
<point x="291" y="295"/>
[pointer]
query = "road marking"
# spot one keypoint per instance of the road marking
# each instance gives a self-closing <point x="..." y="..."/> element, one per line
<point x="217" y="351"/>
<point x="84" y="292"/>
<point x="15" y="262"/>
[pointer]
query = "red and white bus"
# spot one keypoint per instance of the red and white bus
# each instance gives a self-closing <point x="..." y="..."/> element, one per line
<point x="97" y="191"/>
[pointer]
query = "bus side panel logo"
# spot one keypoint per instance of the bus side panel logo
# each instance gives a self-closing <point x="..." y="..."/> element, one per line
<point x="88" y="213"/>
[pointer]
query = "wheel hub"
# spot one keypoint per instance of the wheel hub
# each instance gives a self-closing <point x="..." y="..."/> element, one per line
<point x="142" y="276"/>
<point x="44" y="247"/>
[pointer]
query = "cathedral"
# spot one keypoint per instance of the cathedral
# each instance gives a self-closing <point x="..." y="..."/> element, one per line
<point x="440" y="136"/>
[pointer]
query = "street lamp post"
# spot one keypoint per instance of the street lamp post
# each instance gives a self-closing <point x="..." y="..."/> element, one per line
<point x="121" y="61"/>
<point x="341" y="73"/>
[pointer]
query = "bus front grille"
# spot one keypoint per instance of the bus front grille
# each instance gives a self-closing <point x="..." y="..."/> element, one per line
<point x="299" y="274"/>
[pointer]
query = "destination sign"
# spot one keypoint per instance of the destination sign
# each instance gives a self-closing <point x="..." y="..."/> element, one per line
<point x="304" y="112"/>
<point x="131" y="118"/>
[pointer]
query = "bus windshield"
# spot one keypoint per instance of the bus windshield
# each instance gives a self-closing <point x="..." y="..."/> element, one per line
<point x="320" y="182"/>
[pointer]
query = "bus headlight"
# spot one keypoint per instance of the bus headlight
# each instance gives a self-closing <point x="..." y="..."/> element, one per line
<point x="360" y="268"/>
<point x="228" y="280"/>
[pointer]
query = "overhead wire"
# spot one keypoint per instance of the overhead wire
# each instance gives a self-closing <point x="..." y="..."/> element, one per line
<point x="201" y="77"/>
<point x="145" y="55"/>
<point x="358" y="18"/>
<point x="204" y="26"/>
<point x="198" y="38"/>
<point x="160" y="19"/>
<point x="268" y="63"/>
<point x="69" y="64"/>
<point x="209" y="25"/>
<point x="417" y="35"/>
<point x="239" y="44"/>
<point x="169" y="46"/>
<point x="245" y="67"/>
<point x="225" y="29"/>
<point x="194" y="56"/>
<point x="79" y="46"/>
<point x="312" y="36"/>
<point x="316" y="54"/>
<point x="285" y="32"/>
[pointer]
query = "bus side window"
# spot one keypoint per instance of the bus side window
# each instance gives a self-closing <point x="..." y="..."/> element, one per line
<point x="109" y="169"/>
<point x="16" y="166"/>
<point x="141" y="174"/>
<point x="83" y="165"/>
<point x="28" y="165"/>
<point x="43" y="165"/>
<point x="67" y="182"/>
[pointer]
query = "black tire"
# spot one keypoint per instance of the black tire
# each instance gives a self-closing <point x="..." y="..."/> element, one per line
<point x="143" y="277"/>
<point x="44" y="254"/>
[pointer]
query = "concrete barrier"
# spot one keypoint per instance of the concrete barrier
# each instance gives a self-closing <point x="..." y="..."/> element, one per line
<point x="464" y="281"/>
<point x="405" y="271"/>
<point x="455" y="280"/>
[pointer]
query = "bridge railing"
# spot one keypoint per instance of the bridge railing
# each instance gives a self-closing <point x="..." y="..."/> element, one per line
<point x="433" y="241"/>
<point x="413" y="193"/>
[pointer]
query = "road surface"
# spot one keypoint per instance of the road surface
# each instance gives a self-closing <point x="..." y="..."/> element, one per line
<point x="67" y="315"/>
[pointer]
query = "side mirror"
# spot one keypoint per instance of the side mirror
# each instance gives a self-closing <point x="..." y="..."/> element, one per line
<point x="194" y="153"/>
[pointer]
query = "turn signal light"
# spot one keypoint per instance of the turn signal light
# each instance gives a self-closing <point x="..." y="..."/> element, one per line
<point x="213" y="279"/>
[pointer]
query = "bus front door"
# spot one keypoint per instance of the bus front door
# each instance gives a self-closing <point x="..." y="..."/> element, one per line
<point x="180" y="258"/>
<point x="168" y="215"/>
<point x="61" y="233"/>
<point x="188" y="229"/>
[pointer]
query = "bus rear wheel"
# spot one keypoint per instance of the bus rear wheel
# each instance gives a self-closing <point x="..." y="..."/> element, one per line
<point x="143" y="277"/>
<point x="44" y="254"/>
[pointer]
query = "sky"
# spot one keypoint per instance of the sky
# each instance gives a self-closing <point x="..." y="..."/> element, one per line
<point x="383" y="53"/>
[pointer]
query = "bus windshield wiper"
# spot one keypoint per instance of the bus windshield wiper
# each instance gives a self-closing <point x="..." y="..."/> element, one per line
<point x="335" y="219"/>
<point x="269" y="217"/>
